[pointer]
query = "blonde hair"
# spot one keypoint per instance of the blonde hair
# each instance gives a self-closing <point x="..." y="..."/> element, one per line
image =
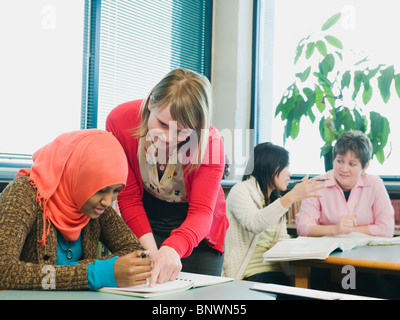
<point x="189" y="96"/>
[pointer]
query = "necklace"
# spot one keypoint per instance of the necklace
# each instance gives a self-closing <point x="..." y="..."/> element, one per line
<point x="68" y="250"/>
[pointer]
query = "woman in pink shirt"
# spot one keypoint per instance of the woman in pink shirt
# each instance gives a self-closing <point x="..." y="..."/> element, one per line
<point x="353" y="201"/>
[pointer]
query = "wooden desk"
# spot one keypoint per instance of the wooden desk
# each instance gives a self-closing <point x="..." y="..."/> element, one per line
<point x="376" y="259"/>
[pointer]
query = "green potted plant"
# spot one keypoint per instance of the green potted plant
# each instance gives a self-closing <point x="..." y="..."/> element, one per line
<point x="338" y="91"/>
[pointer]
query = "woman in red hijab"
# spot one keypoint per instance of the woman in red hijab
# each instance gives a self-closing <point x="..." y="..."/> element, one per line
<point x="53" y="216"/>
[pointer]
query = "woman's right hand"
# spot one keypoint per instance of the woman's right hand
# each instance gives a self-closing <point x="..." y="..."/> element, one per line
<point x="302" y="190"/>
<point x="132" y="269"/>
<point x="345" y="225"/>
<point x="166" y="265"/>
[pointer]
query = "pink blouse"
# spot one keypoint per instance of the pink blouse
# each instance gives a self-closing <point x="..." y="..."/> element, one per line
<point x="373" y="206"/>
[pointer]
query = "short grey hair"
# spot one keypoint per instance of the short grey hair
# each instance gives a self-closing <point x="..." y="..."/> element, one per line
<point x="355" y="141"/>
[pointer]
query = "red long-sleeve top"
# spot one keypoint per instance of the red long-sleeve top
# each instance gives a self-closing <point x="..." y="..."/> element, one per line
<point x="206" y="218"/>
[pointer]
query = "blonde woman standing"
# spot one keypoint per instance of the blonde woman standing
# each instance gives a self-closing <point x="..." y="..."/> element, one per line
<point x="173" y="200"/>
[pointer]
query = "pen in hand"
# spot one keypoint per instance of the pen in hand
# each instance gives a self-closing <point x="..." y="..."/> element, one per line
<point x="354" y="213"/>
<point x="322" y="179"/>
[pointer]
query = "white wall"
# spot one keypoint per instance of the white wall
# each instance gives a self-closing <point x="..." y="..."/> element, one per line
<point x="231" y="75"/>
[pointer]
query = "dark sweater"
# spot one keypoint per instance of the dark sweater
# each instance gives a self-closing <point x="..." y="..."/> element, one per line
<point x="22" y="257"/>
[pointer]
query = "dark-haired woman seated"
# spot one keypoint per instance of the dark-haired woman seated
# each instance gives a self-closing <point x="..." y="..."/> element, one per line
<point x="256" y="214"/>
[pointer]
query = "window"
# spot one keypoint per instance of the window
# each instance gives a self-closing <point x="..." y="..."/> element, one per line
<point x="139" y="42"/>
<point x="67" y="64"/>
<point x="41" y="72"/>
<point x="366" y="28"/>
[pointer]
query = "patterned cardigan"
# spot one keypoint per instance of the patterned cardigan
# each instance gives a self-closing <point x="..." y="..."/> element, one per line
<point x="23" y="258"/>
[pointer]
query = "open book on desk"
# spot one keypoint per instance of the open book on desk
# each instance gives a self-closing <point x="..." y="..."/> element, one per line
<point x="320" y="247"/>
<point x="184" y="281"/>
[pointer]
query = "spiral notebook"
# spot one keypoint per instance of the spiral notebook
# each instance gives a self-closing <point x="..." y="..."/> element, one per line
<point x="184" y="281"/>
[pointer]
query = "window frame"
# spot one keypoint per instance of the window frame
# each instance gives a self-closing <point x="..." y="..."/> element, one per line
<point x="391" y="181"/>
<point x="90" y="109"/>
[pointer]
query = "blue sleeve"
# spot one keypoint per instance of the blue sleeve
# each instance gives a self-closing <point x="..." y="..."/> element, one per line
<point x="101" y="274"/>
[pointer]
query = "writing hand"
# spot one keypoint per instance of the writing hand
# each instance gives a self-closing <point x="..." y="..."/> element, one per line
<point x="132" y="269"/>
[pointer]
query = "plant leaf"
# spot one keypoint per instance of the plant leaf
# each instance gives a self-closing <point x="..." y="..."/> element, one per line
<point x="397" y="83"/>
<point x="361" y="61"/>
<point x="344" y="120"/>
<point x="327" y="130"/>
<point x="380" y="156"/>
<point x="311" y="115"/>
<point x="325" y="149"/>
<point x="380" y="127"/>
<point x="385" y="81"/>
<point x="304" y="75"/>
<point x="358" y="78"/>
<point x="333" y="41"/>
<point x="322" y="79"/>
<point x="310" y="50"/>
<point x="346" y="78"/>
<point x="360" y="121"/>
<point x="367" y="94"/>
<point x="299" y="51"/>
<point x="310" y="95"/>
<point x="331" y="21"/>
<point x="299" y="48"/>
<point x="319" y="99"/>
<point x="372" y="73"/>
<point x="321" y="46"/>
<point x="294" y="132"/>
<point x="327" y="64"/>
<point x="379" y="134"/>
<point x="329" y="96"/>
<point x="286" y="107"/>
<point x="288" y="127"/>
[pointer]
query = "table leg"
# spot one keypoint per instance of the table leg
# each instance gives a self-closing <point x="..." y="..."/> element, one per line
<point x="302" y="277"/>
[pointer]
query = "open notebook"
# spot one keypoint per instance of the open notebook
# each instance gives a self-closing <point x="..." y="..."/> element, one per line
<point x="184" y="281"/>
<point x="321" y="247"/>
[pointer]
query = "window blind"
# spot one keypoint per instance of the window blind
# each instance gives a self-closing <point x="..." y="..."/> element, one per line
<point x="137" y="43"/>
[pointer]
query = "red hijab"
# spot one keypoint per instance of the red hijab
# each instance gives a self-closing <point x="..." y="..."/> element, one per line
<point x="70" y="170"/>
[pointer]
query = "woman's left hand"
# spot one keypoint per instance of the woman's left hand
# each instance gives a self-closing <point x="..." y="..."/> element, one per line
<point x="166" y="265"/>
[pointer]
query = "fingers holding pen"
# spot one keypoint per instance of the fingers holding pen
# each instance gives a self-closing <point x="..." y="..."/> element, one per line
<point x="308" y="187"/>
<point x="132" y="269"/>
<point x="318" y="183"/>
